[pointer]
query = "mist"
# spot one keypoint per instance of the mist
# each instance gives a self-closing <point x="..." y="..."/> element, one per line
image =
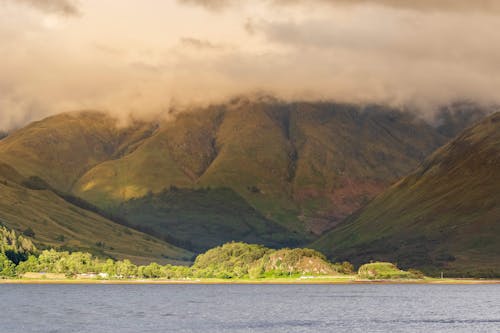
<point x="143" y="58"/>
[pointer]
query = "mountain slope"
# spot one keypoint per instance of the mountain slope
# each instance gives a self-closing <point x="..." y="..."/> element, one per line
<point x="443" y="216"/>
<point x="294" y="170"/>
<point x="347" y="155"/>
<point x="298" y="164"/>
<point x="202" y="218"/>
<point x="61" y="148"/>
<point x="58" y="223"/>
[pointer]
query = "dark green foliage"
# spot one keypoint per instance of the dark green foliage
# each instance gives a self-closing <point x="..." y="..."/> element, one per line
<point x="7" y="267"/>
<point x="16" y="247"/>
<point x="13" y="250"/>
<point x="345" y="268"/>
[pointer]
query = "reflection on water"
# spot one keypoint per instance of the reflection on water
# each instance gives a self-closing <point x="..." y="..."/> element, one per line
<point x="249" y="308"/>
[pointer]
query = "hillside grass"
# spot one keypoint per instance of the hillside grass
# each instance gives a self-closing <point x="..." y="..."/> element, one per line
<point x="442" y="217"/>
<point x="59" y="224"/>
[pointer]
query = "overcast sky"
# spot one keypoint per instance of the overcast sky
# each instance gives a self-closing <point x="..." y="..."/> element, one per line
<point x="144" y="56"/>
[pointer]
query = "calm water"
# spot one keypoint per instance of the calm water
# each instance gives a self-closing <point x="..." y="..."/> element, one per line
<point x="263" y="308"/>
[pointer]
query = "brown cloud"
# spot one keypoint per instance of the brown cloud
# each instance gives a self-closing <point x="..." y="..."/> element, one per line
<point x="420" y="5"/>
<point x="200" y="44"/>
<point x="212" y="4"/>
<point x="64" y="7"/>
<point x="148" y="64"/>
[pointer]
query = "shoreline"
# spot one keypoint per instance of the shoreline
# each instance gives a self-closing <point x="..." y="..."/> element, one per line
<point x="316" y="281"/>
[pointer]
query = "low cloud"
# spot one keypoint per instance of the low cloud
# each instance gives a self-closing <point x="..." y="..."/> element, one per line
<point x="143" y="63"/>
<point x="63" y="7"/>
<point x="420" y="5"/>
<point x="211" y="4"/>
<point x="200" y="44"/>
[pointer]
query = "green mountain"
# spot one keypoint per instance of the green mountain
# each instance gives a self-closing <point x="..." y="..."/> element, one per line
<point x="260" y="171"/>
<point x="61" y="148"/>
<point x="305" y="166"/>
<point x="52" y="221"/>
<point x="444" y="216"/>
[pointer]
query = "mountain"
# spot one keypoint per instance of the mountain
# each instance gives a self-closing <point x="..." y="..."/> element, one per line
<point x="61" y="148"/>
<point x="444" y="216"/>
<point x="53" y="221"/>
<point x="305" y="166"/>
<point x="260" y="171"/>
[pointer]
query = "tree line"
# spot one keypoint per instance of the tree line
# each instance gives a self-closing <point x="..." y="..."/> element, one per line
<point x="234" y="260"/>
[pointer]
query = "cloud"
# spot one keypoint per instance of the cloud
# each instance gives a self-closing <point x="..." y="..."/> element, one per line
<point x="419" y="5"/>
<point x="402" y="59"/>
<point x="146" y="61"/>
<point x="200" y="44"/>
<point x="62" y="7"/>
<point x="211" y="4"/>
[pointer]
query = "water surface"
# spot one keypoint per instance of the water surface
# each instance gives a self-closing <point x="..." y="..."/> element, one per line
<point x="249" y="308"/>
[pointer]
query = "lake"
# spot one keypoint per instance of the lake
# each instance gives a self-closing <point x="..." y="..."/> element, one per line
<point x="249" y="308"/>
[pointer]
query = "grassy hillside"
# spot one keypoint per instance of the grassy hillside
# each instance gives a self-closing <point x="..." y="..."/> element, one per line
<point x="347" y="155"/>
<point x="61" y="148"/>
<point x="203" y="218"/>
<point x="172" y="156"/>
<point x="443" y="216"/>
<point x="298" y="164"/>
<point x="54" y="222"/>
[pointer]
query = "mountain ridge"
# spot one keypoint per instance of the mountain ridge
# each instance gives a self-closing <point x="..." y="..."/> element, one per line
<point x="301" y="167"/>
<point x="443" y="216"/>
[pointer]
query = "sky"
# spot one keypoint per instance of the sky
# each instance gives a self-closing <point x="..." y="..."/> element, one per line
<point x="144" y="57"/>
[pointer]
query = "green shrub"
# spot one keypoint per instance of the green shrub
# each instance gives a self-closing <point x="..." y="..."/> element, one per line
<point x="384" y="271"/>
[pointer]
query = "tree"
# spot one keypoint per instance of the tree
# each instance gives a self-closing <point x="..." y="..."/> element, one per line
<point x="52" y="261"/>
<point x="78" y="263"/>
<point x="7" y="267"/>
<point x="125" y="269"/>
<point x="346" y="268"/>
<point x="109" y="267"/>
<point x="30" y="265"/>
